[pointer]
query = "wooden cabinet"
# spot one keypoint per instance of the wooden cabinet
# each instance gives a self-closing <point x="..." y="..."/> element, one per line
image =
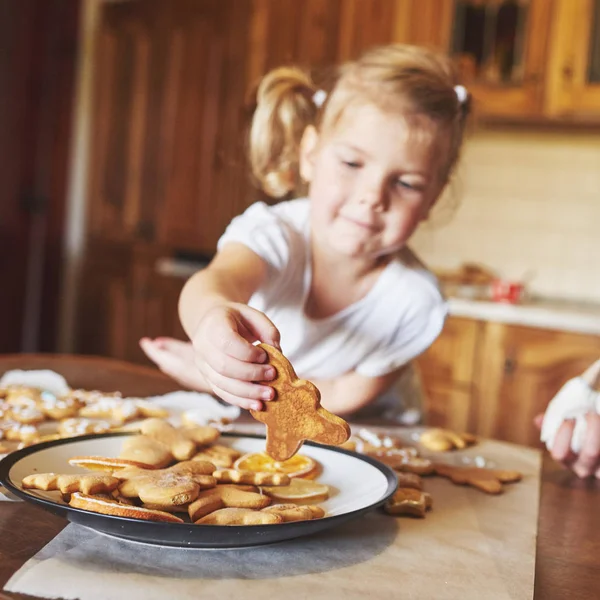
<point x="492" y="379"/>
<point x="448" y="372"/>
<point x="574" y="62"/>
<point x="167" y="163"/>
<point x="124" y="298"/>
<point x="500" y="48"/>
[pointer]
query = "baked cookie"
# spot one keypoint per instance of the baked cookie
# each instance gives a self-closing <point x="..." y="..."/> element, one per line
<point x="296" y="414"/>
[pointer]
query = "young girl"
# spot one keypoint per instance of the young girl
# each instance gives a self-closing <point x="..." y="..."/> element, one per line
<point x="328" y="278"/>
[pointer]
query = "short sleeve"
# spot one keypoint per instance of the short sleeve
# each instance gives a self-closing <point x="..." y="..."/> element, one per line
<point x="413" y="334"/>
<point x="262" y="231"/>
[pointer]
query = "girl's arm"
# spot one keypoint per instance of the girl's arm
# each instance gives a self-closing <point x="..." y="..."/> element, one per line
<point x="352" y="391"/>
<point x="233" y="275"/>
<point x="222" y="327"/>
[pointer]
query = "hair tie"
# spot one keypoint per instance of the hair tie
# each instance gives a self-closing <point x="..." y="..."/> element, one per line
<point x="319" y="98"/>
<point x="461" y="93"/>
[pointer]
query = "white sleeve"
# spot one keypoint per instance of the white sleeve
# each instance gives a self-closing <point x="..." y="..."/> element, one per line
<point x="263" y="232"/>
<point x="412" y="335"/>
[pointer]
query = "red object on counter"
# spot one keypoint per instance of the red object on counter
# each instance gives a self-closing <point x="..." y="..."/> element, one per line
<point x="507" y="291"/>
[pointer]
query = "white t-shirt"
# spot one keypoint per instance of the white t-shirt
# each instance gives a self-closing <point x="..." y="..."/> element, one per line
<point x="393" y="323"/>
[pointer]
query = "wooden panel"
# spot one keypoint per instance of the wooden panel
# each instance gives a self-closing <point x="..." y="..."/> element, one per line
<point x="568" y="92"/>
<point x="105" y="316"/>
<point x="451" y="357"/>
<point x="423" y="22"/>
<point x="449" y="407"/>
<point x="447" y="372"/>
<point x="521" y="370"/>
<point x="37" y="72"/>
<point x="363" y="24"/>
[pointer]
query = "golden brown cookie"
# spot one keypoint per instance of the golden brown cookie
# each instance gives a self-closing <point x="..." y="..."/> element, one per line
<point x="239" y="516"/>
<point x="178" y="484"/>
<point x="486" y="480"/>
<point x="250" y="477"/>
<point x="181" y="442"/>
<point x="13" y="431"/>
<point x="82" y="426"/>
<point x="290" y="512"/>
<point x="443" y="440"/>
<point x="405" y="462"/>
<point x="107" y="506"/>
<point x="103" y="463"/>
<point x="68" y="484"/>
<point x="296" y="414"/>
<point x="409" y="480"/>
<point x="145" y="450"/>
<point x="408" y="501"/>
<point x="220" y="456"/>
<point x="59" y="407"/>
<point x="229" y="496"/>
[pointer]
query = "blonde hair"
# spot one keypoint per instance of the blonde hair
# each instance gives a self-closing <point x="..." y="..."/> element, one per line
<point x="408" y="79"/>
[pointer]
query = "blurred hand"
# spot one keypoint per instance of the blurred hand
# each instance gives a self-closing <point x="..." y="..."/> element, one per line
<point x="176" y="359"/>
<point x="587" y="462"/>
<point x="226" y="357"/>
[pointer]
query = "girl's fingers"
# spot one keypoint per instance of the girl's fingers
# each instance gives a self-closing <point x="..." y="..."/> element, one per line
<point x="231" y="368"/>
<point x="227" y="338"/>
<point x="237" y="388"/>
<point x="561" y="449"/>
<point x="538" y="420"/>
<point x="588" y="462"/>
<point x="151" y="350"/>
<point x="237" y="401"/>
<point x="183" y="350"/>
<point x="260" y="326"/>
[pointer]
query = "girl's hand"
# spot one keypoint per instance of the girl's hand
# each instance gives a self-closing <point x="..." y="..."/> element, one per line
<point x="587" y="462"/>
<point x="226" y="357"/>
<point x="176" y="359"/>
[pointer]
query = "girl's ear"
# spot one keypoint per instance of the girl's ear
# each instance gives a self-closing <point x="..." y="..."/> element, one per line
<point x="308" y="146"/>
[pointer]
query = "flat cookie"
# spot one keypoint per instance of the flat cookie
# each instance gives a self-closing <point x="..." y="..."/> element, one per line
<point x="410" y="502"/>
<point x="225" y="496"/>
<point x="443" y="440"/>
<point x="296" y="414"/>
<point x="107" y="506"/>
<point x="251" y="477"/>
<point x="239" y="516"/>
<point x="68" y="484"/>
<point x="487" y="480"/>
<point x="178" y="484"/>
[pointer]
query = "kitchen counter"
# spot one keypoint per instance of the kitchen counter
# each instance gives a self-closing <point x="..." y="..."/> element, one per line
<point x="577" y="317"/>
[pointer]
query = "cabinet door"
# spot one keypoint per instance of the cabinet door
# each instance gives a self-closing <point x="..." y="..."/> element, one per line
<point x="500" y="47"/>
<point x="153" y="300"/>
<point x="574" y="74"/>
<point x="168" y="146"/>
<point x="104" y="315"/>
<point x="447" y="374"/>
<point x="521" y="370"/>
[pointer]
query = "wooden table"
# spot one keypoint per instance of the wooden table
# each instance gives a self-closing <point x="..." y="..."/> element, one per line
<point x="568" y="545"/>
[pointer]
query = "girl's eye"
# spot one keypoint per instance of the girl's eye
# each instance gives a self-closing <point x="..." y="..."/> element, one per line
<point x="405" y="185"/>
<point x="351" y="164"/>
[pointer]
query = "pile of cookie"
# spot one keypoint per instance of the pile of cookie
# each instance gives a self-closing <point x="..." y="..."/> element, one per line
<point x="29" y="415"/>
<point x="410" y="499"/>
<point x="180" y="474"/>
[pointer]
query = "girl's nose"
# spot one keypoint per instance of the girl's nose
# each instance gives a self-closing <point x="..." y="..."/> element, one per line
<point x="374" y="196"/>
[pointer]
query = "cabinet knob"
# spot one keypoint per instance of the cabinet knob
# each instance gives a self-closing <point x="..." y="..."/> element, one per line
<point x="567" y="73"/>
<point x="510" y="366"/>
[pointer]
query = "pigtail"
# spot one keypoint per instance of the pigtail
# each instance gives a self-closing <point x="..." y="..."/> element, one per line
<point x="284" y="108"/>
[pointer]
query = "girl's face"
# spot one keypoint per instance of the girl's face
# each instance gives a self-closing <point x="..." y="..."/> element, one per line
<point x="372" y="180"/>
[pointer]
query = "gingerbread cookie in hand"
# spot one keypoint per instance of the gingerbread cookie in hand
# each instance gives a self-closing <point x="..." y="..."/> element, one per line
<point x="296" y="414"/>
